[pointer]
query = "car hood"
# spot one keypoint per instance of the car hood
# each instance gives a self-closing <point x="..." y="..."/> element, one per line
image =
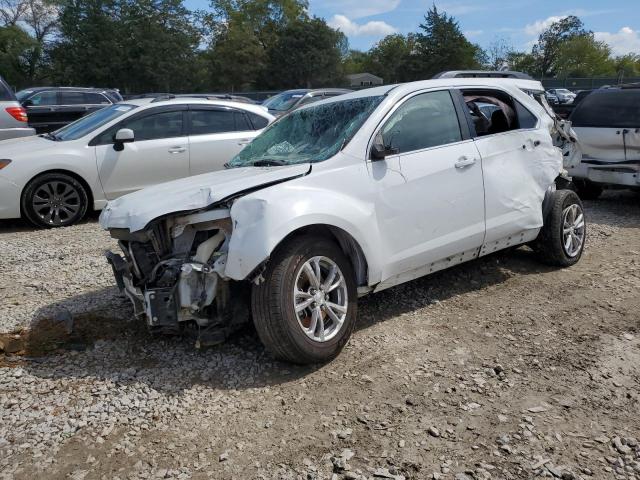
<point x="135" y="210"/>
<point x="18" y="146"/>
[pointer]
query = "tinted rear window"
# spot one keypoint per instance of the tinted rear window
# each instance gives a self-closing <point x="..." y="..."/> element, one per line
<point x="609" y="109"/>
<point x="6" y="94"/>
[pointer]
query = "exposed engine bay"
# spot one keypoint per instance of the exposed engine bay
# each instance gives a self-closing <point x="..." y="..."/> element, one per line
<point x="173" y="272"/>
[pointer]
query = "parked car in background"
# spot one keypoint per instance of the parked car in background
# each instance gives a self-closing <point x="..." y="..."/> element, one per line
<point x="607" y="123"/>
<point x="289" y="100"/>
<point x="344" y="197"/>
<point x="50" y="108"/>
<point x="552" y="98"/>
<point x="564" y="95"/>
<point x="13" y="117"/>
<point x="54" y="178"/>
<point x="580" y="95"/>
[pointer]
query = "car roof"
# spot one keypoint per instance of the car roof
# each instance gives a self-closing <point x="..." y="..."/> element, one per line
<point x="142" y="102"/>
<point x="406" y="88"/>
<point x="84" y="89"/>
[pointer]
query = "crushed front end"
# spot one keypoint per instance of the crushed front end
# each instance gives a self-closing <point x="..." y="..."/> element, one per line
<point x="173" y="272"/>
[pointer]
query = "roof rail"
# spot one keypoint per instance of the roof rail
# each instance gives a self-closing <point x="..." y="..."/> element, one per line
<point x="482" y="74"/>
<point x="162" y="98"/>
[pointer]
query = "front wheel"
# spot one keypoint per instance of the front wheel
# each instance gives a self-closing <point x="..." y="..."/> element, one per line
<point x="562" y="238"/>
<point x="54" y="200"/>
<point x="305" y="309"/>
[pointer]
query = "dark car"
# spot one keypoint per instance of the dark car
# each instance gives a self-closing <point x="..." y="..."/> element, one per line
<point x="291" y="99"/>
<point x="50" y="108"/>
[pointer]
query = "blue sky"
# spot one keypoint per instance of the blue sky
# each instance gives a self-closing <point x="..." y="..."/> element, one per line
<point x="517" y="21"/>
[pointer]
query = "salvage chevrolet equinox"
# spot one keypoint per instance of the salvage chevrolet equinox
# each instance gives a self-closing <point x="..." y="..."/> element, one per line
<point x="346" y="197"/>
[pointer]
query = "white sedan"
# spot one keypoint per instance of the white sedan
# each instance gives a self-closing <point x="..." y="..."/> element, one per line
<point x="53" y="179"/>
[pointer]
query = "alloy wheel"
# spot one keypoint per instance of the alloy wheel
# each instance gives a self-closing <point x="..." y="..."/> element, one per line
<point x="320" y="299"/>
<point x="56" y="202"/>
<point x="573" y="230"/>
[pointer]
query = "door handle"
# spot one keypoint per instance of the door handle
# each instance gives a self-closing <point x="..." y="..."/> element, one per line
<point x="465" y="162"/>
<point x="177" y="149"/>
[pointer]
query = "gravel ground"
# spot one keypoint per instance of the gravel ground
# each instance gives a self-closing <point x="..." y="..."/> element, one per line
<point x="497" y="369"/>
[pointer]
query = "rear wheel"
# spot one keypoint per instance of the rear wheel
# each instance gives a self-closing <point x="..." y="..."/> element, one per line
<point x="305" y="309"/>
<point x="562" y="238"/>
<point x="54" y="200"/>
<point x="587" y="190"/>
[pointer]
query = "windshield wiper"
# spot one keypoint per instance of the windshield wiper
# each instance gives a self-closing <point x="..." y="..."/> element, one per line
<point x="268" y="162"/>
<point x="51" y="136"/>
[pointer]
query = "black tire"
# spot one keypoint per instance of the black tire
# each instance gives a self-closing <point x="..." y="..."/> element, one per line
<point x="550" y="245"/>
<point x="587" y="190"/>
<point x="54" y="200"/>
<point x="272" y="302"/>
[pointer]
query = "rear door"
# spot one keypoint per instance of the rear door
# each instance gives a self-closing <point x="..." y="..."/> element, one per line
<point x="216" y="135"/>
<point x="72" y="106"/>
<point x="519" y="162"/>
<point x="159" y="153"/>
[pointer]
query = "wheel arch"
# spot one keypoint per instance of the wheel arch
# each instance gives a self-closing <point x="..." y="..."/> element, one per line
<point x="74" y="175"/>
<point x="349" y="245"/>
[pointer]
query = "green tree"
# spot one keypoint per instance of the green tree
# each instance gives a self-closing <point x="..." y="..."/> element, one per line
<point x="442" y="46"/>
<point x="16" y="50"/>
<point x="390" y="58"/>
<point x="627" y="65"/>
<point x="522" y="62"/>
<point x="583" y="56"/>
<point x="241" y="33"/>
<point x="308" y="53"/>
<point x="356" y="62"/>
<point x="550" y="41"/>
<point x="147" y="45"/>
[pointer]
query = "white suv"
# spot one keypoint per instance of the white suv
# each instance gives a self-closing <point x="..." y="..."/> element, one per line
<point x="607" y="123"/>
<point x="54" y="178"/>
<point x="342" y="198"/>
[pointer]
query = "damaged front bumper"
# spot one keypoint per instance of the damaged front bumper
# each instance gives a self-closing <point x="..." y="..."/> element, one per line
<point x="173" y="273"/>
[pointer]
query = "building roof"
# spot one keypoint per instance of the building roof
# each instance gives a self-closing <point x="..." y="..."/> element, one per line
<point x="356" y="76"/>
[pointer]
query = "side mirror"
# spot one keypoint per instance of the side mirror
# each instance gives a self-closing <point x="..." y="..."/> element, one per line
<point x="379" y="151"/>
<point x="122" y="136"/>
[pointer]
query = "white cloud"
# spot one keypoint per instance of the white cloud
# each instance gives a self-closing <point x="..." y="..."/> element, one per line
<point x="353" y="29"/>
<point x="626" y="40"/>
<point x="539" y="26"/>
<point x="472" y="33"/>
<point x="359" y="8"/>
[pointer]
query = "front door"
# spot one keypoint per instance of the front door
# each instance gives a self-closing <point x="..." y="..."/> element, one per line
<point x="430" y="197"/>
<point x="159" y="153"/>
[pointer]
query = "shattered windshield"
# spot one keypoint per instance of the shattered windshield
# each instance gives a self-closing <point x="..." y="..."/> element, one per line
<point x="311" y="134"/>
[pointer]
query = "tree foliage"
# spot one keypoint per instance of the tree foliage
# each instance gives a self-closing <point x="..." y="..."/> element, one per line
<point x="16" y="52"/>
<point x="308" y="53"/>
<point x="234" y="45"/>
<point x="550" y="41"/>
<point x="147" y="45"/>
<point x="442" y="46"/>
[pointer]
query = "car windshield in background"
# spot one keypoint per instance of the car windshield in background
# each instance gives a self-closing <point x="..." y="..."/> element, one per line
<point x="22" y="94"/>
<point x="283" y="101"/>
<point x="311" y="134"/>
<point x="608" y="109"/>
<point x="87" y="124"/>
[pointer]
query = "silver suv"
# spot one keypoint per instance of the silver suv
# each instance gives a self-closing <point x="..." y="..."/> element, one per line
<point x="13" y="117"/>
